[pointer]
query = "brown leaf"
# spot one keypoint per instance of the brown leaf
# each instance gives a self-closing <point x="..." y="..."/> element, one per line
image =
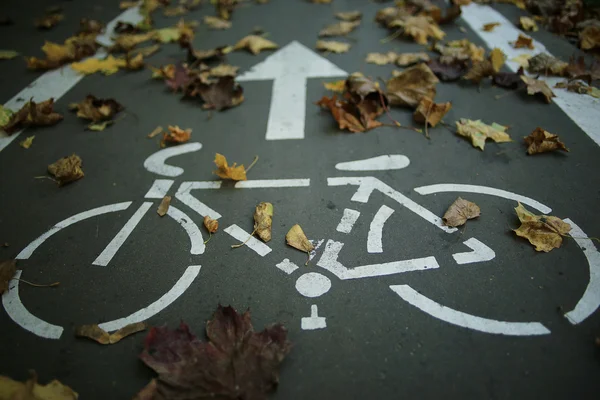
<point x="459" y="212"/>
<point x="163" y="207"/>
<point x="255" y="44"/>
<point x="235" y="363"/>
<point x="176" y="135"/>
<point x="349" y="15"/>
<point x="406" y="59"/>
<point x="175" y="11"/>
<point x="523" y="42"/>
<point x="528" y="24"/>
<point x="382" y="58"/>
<point x="339" y="29"/>
<point x="332" y="46"/>
<point x="216" y="23"/>
<point x="490" y="27"/>
<point x="48" y="21"/>
<point x="33" y="114"/>
<point x="99" y="335"/>
<point x="509" y="80"/>
<point x="420" y="28"/>
<point x="345" y="115"/>
<point x="224" y="171"/>
<point x="157" y="131"/>
<point x="546" y="64"/>
<point x="95" y="109"/>
<point x="535" y="86"/>
<point x="448" y="72"/>
<point x="497" y="58"/>
<point x="589" y="37"/>
<point x="579" y="87"/>
<point x="429" y="112"/>
<point x="365" y="94"/>
<point x="479" y="71"/>
<point x="67" y="169"/>
<point x="541" y="141"/>
<point x="544" y="232"/>
<point x="298" y="240"/>
<point x="8" y="269"/>
<point x="478" y="132"/>
<point x="263" y="220"/>
<point x="211" y="225"/>
<point x="32" y="390"/>
<point x="74" y="49"/>
<point x="208" y="56"/>
<point x="411" y="85"/>
<point x="220" y="94"/>
<point x="461" y="50"/>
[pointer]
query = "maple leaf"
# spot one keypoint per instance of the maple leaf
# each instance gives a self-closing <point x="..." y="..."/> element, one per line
<point x="542" y="141"/>
<point x="263" y="220"/>
<point x="523" y="42"/>
<point x="407" y="59"/>
<point x="208" y="56"/>
<point x="48" y="21"/>
<point x="90" y="26"/>
<point x="67" y="169"/>
<point x="546" y="64"/>
<point x="411" y="85"/>
<point x="589" y="37"/>
<point x="96" y="109"/>
<point x="490" y="27"/>
<point x="542" y="231"/>
<point x="212" y="225"/>
<point x="349" y="15"/>
<point x="107" y="66"/>
<point x="459" y="212"/>
<point x="235" y="363"/>
<point x="98" y="334"/>
<point x="448" y="72"/>
<point x="339" y="29"/>
<point x="332" y="46"/>
<point x="478" y="132"/>
<point x="420" y="28"/>
<point x="431" y="113"/>
<point x="220" y="94"/>
<point x="535" y="86"/>
<point x="486" y="68"/>
<point x="509" y="80"/>
<point x="255" y="44"/>
<point x="381" y="58"/>
<point x="216" y="23"/>
<point x="176" y="135"/>
<point x="164" y="205"/>
<point x="224" y="171"/>
<point x="528" y="24"/>
<point x="298" y="240"/>
<point x="32" y="114"/>
<point x="32" y="390"/>
<point x="8" y="269"/>
<point x="74" y="49"/>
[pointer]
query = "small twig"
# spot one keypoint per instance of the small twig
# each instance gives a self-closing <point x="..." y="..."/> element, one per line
<point x="392" y="36"/>
<point x="235" y="246"/>
<point x="36" y="284"/>
<point x="410" y="128"/>
<point x="45" y="177"/>
<point x="252" y="165"/>
<point x="307" y="261"/>
<point x="590" y="238"/>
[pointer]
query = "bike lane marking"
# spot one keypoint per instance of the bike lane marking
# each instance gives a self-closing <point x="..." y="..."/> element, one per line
<point x="250" y="241"/>
<point x="375" y="236"/>
<point x="387" y="162"/>
<point x="156" y="162"/>
<point x="159" y="189"/>
<point x="348" y="220"/>
<point x="480" y="253"/>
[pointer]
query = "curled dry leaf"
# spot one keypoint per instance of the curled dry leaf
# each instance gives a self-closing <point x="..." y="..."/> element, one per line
<point x="220" y="94"/>
<point x="236" y="362"/>
<point x="8" y="269"/>
<point x="528" y="24"/>
<point x="411" y="85"/>
<point x="99" y="335"/>
<point x="431" y="113"/>
<point x="255" y="44"/>
<point x="95" y="109"/>
<point x="382" y="58"/>
<point x="67" y="169"/>
<point x="339" y="29"/>
<point x="224" y="171"/>
<point x="298" y="240"/>
<point x="48" y="21"/>
<point x="406" y="59"/>
<point x="263" y="221"/>
<point x="32" y="390"/>
<point x="216" y="23"/>
<point x="211" y="225"/>
<point x="349" y="15"/>
<point x="589" y="37"/>
<point x="157" y="131"/>
<point x="74" y="49"/>
<point x="176" y="135"/>
<point x="336" y="86"/>
<point x="543" y="231"/>
<point x="347" y="115"/>
<point x="535" y="86"/>
<point x="542" y="141"/>
<point x="448" y="72"/>
<point x="478" y="132"/>
<point x="27" y="142"/>
<point x="546" y="64"/>
<point x="459" y="212"/>
<point x="332" y="46"/>
<point x="523" y="42"/>
<point x="490" y="27"/>
<point x="163" y="207"/>
<point x="31" y="114"/>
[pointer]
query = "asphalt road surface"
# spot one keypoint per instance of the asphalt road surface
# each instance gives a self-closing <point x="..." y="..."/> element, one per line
<point x="405" y="308"/>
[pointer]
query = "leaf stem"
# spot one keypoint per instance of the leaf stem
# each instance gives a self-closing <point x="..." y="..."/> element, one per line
<point x="36" y="284"/>
<point x="235" y="246"/>
<point x="252" y="165"/>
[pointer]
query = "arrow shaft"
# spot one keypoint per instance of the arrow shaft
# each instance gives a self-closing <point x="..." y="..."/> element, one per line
<point x="288" y="108"/>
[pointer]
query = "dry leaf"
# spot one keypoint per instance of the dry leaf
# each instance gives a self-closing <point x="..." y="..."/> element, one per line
<point x="146" y="51"/>
<point x="32" y="390"/>
<point x="411" y="85"/>
<point x="448" y="72"/>
<point x="541" y="141"/>
<point x="216" y="23"/>
<point x="67" y="169"/>
<point x="406" y="59"/>
<point x="429" y="112"/>
<point x="381" y="58"/>
<point x="224" y="171"/>
<point x="579" y="87"/>
<point x="126" y="42"/>
<point x="336" y="86"/>
<point x="98" y="334"/>
<point x="459" y="212"/>
<point x="332" y="46"/>
<point x="478" y="132"/>
<point x="497" y="58"/>
<point x="6" y="114"/>
<point x="460" y="50"/>
<point x="95" y="109"/>
<point x="163" y="207"/>
<point x="346" y="113"/>
<point x="27" y="142"/>
<point x="420" y="28"/>
<point x="212" y="225"/>
<point x="225" y="8"/>
<point x="509" y="80"/>
<point x="157" y="131"/>
<point x="544" y="232"/>
<point x="99" y="126"/>
<point x="490" y="27"/>
<point x="107" y="66"/>
<point x="255" y="44"/>
<point x="522" y="60"/>
<point x="528" y="24"/>
<point x="90" y="26"/>
<point x="486" y="68"/>
<point x="298" y="240"/>
<point x="176" y="135"/>
<point x="223" y="70"/>
<point x="31" y="114"/>
<point x="537" y="86"/>
<point x="589" y="37"/>
<point x="546" y="64"/>
<point x="219" y="95"/>
<point x="349" y="15"/>
<point x="523" y="42"/>
<point x="321" y="1"/>
<point x="339" y="29"/>
<point x="175" y="11"/>
<point x="8" y="269"/>
<point x="74" y="49"/>
<point x="263" y="220"/>
<point x="8" y="54"/>
<point x="48" y="21"/>
<point x="128" y="4"/>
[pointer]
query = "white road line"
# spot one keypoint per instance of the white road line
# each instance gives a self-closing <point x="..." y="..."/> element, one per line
<point x="22" y="317"/>
<point x="183" y="194"/>
<point x="348" y="220"/>
<point x="590" y="301"/>
<point x="59" y="81"/>
<point x="192" y="185"/>
<point x="142" y="315"/>
<point x="581" y="109"/>
<point x="272" y="183"/>
<point x="465" y="320"/>
<point x="192" y="230"/>
<point x="156" y="162"/>
<point x="457" y="187"/>
<point x="379" y="163"/>
<point x="254" y="244"/>
<point x="159" y="189"/>
<point x="287" y="266"/>
<point x="28" y="251"/>
<point x="314" y="321"/>
<point x="480" y="253"/>
<point x="374" y="238"/>
<point x="111" y="249"/>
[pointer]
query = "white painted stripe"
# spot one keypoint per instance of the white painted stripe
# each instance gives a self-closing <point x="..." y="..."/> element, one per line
<point x="192" y="185"/>
<point x="156" y="162"/>
<point x="184" y="196"/>
<point x="480" y="253"/>
<point x="111" y="249"/>
<point x="379" y="163"/>
<point x="590" y="301"/>
<point x="314" y="321"/>
<point x="348" y="220"/>
<point x="374" y="239"/>
<point x="192" y="230"/>
<point x="316" y="244"/>
<point x="457" y="187"/>
<point x="142" y="315"/>
<point x="287" y="266"/>
<point x="159" y="189"/>
<point x="254" y="244"/>
<point x="581" y="109"/>
<point x="28" y="251"/>
<point x="465" y="320"/>
<point x="22" y="317"/>
<point x="272" y="183"/>
<point x="59" y="81"/>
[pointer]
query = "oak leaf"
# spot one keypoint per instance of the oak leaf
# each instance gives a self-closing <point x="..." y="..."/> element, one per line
<point x="216" y="23"/>
<point x="430" y="112"/>
<point x="8" y="269"/>
<point x="298" y="240"/>
<point x="535" y="86"/>
<point x="332" y="46"/>
<point x="224" y="171"/>
<point x="255" y="44"/>
<point x="542" y="141"/>
<point x="349" y="15"/>
<point x="164" y="205"/>
<point x="66" y="170"/>
<point x="478" y="132"/>
<point x="32" y="390"/>
<point x="523" y="42"/>
<point x="528" y="24"/>
<point x="459" y="212"/>
<point x="263" y="220"/>
<point x="31" y="114"/>
<point x="407" y="59"/>
<point x="99" y="335"/>
<point x="411" y="85"/>
<point x="176" y="135"/>
<point x="211" y="225"/>
<point x="339" y="29"/>
<point x="544" y="232"/>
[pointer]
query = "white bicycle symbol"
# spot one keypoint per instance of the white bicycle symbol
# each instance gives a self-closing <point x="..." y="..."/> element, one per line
<point x="310" y="284"/>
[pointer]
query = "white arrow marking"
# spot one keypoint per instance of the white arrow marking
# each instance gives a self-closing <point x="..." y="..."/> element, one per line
<point x="480" y="253"/>
<point x="289" y="68"/>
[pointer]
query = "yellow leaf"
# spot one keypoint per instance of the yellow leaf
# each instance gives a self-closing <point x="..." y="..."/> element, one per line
<point x="522" y="60"/>
<point x="339" y="29"/>
<point x="99" y="335"/>
<point x="255" y="44"/>
<point x="332" y="46"/>
<point x="497" y="58"/>
<point x="298" y="240"/>
<point x="382" y="58"/>
<point x="528" y="24"/>
<point x="108" y="66"/>
<point x="216" y="22"/>
<point x="420" y="28"/>
<point x="14" y="390"/>
<point x="429" y="112"/>
<point x="336" y="86"/>
<point x="263" y="220"/>
<point x="8" y="54"/>
<point x="478" y="132"/>
<point x="542" y="231"/>
<point x="224" y="171"/>
<point x="27" y="142"/>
